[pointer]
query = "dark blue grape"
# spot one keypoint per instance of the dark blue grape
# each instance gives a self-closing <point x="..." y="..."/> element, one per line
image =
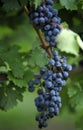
<point x="49" y="15"/>
<point x="63" y="83"/>
<point x="54" y="75"/>
<point x="55" y="19"/>
<point x="49" y="72"/>
<point x="38" y="118"/>
<point x="53" y="38"/>
<point x="47" y="103"/>
<point x="52" y="93"/>
<point x="48" y="84"/>
<point x="37" y="81"/>
<point x="36" y="21"/>
<point x="50" y="78"/>
<point x="50" y="33"/>
<point x="64" y="65"/>
<point x="56" y="31"/>
<point x="59" y="104"/>
<point x="52" y="104"/>
<point x="51" y="109"/>
<point x="55" y="53"/>
<point x="58" y="64"/>
<point x="31" y="83"/>
<point x="43" y="69"/>
<point x="40" y="9"/>
<point x="56" y="93"/>
<point x="41" y="20"/>
<point x="59" y="75"/>
<point x="36" y="14"/>
<point x="47" y="38"/>
<point x="31" y="89"/>
<point x="54" y="12"/>
<point x="50" y="2"/>
<point x="56" y="111"/>
<point x="47" y="27"/>
<point x="44" y="76"/>
<point x="68" y="68"/>
<point x="65" y="74"/>
<point x="54" y="98"/>
<point x="59" y="99"/>
<point x="40" y="92"/>
<point x="51" y="62"/>
<point x="52" y="44"/>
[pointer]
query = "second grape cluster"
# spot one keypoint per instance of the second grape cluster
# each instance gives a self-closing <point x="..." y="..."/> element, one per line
<point x="46" y="18"/>
<point x="50" y="81"/>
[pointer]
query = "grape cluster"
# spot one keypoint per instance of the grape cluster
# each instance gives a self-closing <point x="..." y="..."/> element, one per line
<point x="52" y="77"/>
<point x="50" y="81"/>
<point x="46" y="18"/>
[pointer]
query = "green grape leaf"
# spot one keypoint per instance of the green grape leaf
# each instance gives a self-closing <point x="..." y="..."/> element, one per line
<point x="9" y="96"/>
<point x="3" y="69"/>
<point x="13" y="58"/>
<point x="67" y="42"/>
<point x="25" y="38"/>
<point x="65" y="25"/>
<point x="11" y="5"/>
<point x="38" y="57"/>
<point x="69" y="4"/>
<point x="73" y="88"/>
<point x="77" y="101"/>
<point x="28" y="75"/>
<point x="75" y="93"/>
<point x="37" y="2"/>
<point x="23" y="2"/>
<point x="21" y="82"/>
<point x="5" y="31"/>
<point x="18" y="82"/>
<point x="79" y="41"/>
<point x="73" y="60"/>
<point x="80" y="4"/>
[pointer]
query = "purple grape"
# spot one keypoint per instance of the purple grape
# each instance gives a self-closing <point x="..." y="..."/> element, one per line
<point x="51" y="62"/>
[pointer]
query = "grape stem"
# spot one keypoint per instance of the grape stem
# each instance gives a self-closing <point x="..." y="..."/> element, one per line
<point x="57" y="25"/>
<point x="44" y="45"/>
<point x="43" y="2"/>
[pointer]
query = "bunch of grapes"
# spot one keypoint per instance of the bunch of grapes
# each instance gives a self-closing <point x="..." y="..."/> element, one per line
<point x="46" y="18"/>
<point x="52" y="77"/>
<point x="50" y="81"/>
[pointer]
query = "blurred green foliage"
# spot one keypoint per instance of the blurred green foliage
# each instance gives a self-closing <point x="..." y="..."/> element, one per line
<point x="20" y="55"/>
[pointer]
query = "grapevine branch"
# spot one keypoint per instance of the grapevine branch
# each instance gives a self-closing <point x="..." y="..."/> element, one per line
<point x="44" y="45"/>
